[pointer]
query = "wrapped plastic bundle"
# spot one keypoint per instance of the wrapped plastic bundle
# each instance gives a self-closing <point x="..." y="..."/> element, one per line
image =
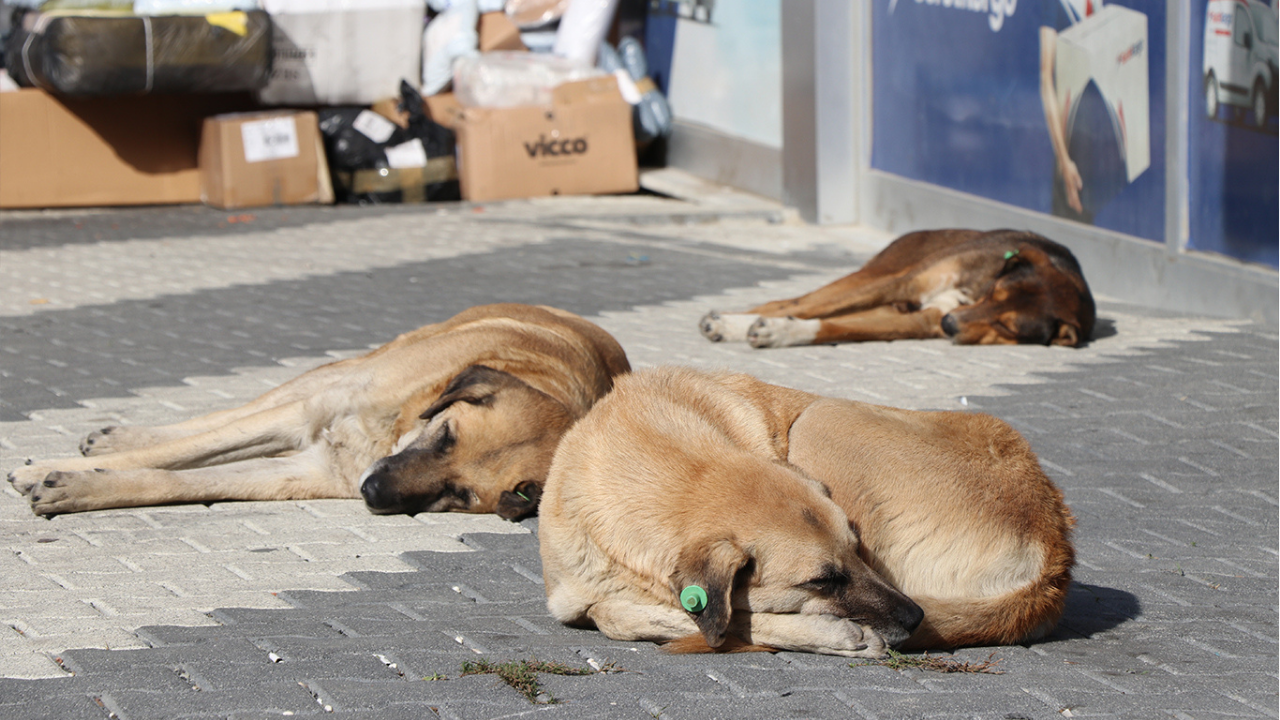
<point x="513" y="79"/>
<point x="652" y="116"/>
<point x="117" y="53"/>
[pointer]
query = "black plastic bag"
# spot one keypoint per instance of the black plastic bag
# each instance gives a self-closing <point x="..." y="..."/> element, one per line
<point x="373" y="160"/>
<point x="123" y="54"/>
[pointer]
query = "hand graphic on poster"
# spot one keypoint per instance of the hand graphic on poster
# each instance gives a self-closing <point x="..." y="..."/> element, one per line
<point x="1067" y="182"/>
<point x="1056" y="121"/>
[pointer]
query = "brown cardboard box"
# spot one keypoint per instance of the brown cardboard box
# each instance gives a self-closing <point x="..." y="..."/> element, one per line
<point x="93" y="152"/>
<point x="497" y="32"/>
<point x="581" y="144"/>
<point x="263" y="158"/>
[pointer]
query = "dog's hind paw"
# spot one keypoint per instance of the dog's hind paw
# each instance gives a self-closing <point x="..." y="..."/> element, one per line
<point x="725" y="327"/>
<point x="776" y="332"/>
<point x="117" y="439"/>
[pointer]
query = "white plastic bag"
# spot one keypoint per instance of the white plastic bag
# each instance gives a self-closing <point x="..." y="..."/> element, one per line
<point x="583" y="28"/>
<point x="449" y="36"/>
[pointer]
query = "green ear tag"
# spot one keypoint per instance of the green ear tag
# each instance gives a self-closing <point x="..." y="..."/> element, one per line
<point x="522" y="496"/>
<point x="1010" y="253"/>
<point x="693" y="598"/>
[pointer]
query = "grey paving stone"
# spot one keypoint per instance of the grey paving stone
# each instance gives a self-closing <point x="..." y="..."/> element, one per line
<point x="1167" y="455"/>
<point x="132" y="344"/>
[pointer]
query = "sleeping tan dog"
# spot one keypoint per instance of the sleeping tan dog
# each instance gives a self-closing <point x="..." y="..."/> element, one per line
<point x="809" y="523"/>
<point x="460" y="415"/>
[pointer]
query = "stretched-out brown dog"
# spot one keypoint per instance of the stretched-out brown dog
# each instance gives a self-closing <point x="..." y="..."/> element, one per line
<point x="807" y="523"/>
<point x="461" y="415"/>
<point x="977" y="288"/>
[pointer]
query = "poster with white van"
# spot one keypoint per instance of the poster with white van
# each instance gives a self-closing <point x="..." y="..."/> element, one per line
<point x="1234" y="193"/>
<point x="1051" y="105"/>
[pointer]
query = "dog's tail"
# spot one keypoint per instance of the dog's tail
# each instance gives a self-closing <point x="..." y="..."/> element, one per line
<point x="1029" y="613"/>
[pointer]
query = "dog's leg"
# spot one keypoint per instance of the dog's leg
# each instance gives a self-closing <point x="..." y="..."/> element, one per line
<point x="270" y="432"/>
<point x="851" y="293"/>
<point x="727" y="327"/>
<point x="884" y="323"/>
<point x="120" y="438"/>
<point x="776" y="332"/>
<point x="296" y="477"/>
<point x="826" y="634"/>
<point x="626" y="620"/>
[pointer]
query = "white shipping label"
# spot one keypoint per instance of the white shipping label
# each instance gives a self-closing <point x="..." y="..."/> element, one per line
<point x="374" y="126"/>
<point x="270" y="139"/>
<point x="407" y="155"/>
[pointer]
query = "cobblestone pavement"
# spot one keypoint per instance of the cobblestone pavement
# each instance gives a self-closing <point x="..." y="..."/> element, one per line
<point x="1162" y="433"/>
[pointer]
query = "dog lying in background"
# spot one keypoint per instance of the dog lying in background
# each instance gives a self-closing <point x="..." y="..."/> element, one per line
<point x="978" y="288"/>
<point x="806" y="523"/>
<point x="461" y="415"/>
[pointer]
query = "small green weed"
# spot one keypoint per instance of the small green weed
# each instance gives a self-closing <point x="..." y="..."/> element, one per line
<point x="898" y="661"/>
<point x="523" y="674"/>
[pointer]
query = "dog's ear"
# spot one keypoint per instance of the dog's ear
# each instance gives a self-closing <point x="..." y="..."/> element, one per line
<point x="1068" y="335"/>
<point x="711" y="566"/>
<point x="519" y="503"/>
<point x="474" y="385"/>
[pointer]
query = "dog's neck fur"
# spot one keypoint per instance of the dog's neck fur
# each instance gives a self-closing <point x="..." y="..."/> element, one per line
<point x="779" y="406"/>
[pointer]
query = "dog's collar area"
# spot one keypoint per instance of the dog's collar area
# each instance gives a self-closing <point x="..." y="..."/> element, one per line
<point x="693" y="599"/>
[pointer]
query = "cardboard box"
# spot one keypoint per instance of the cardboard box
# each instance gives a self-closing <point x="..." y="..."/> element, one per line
<point x="94" y="152"/>
<point x="497" y="32"/>
<point x="342" y="52"/>
<point x="263" y="158"/>
<point x="1109" y="50"/>
<point x="581" y="144"/>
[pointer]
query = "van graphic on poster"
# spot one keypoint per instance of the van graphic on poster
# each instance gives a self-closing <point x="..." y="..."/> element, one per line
<point x="1240" y="59"/>
<point x="1101" y="78"/>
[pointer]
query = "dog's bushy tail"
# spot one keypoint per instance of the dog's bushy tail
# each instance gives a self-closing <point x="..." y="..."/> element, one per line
<point x="1028" y="613"/>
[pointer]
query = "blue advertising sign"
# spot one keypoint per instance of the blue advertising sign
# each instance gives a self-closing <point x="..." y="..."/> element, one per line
<point x="1051" y="105"/>
<point x="1233" y="190"/>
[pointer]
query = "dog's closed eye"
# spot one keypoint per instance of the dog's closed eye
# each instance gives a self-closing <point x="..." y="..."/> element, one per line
<point x="445" y="441"/>
<point x="831" y="579"/>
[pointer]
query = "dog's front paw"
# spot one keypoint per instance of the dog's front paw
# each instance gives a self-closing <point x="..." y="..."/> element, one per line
<point x="67" y="491"/>
<point x="25" y="478"/>
<point x="846" y="637"/>
<point x="776" y="332"/>
<point x="725" y="327"/>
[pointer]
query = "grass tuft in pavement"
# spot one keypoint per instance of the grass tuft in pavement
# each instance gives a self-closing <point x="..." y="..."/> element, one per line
<point x="523" y="675"/>
<point x="898" y="661"/>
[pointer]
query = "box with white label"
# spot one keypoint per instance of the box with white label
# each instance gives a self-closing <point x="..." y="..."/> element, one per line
<point x="342" y="52"/>
<point x="263" y="158"/>
<point x="1102" y="77"/>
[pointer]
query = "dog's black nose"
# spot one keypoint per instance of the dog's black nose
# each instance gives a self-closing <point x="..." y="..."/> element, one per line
<point x="910" y="615"/>
<point x="376" y="493"/>
<point x="949" y="325"/>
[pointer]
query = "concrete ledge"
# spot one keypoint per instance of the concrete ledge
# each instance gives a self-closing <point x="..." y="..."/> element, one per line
<point x="1117" y="266"/>
<point x="726" y="159"/>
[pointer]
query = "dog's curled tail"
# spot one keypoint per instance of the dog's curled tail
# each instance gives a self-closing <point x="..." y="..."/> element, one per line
<point x="1028" y="613"/>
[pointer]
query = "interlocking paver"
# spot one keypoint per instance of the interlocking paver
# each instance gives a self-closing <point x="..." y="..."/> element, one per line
<point x="1161" y="433"/>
